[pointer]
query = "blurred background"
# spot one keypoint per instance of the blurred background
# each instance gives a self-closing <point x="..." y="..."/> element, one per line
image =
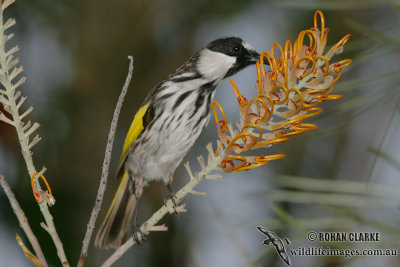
<point x="343" y="177"/>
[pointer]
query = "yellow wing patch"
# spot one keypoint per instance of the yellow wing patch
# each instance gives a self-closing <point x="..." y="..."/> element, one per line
<point x="134" y="131"/>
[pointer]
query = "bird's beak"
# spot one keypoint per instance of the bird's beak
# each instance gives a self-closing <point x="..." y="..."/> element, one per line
<point x="253" y="56"/>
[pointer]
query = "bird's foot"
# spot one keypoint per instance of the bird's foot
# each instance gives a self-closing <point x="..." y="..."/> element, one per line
<point x="138" y="235"/>
<point x="172" y="197"/>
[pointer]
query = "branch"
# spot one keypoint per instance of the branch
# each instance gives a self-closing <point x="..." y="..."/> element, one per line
<point x="105" y="169"/>
<point x="23" y="221"/>
<point x="168" y="207"/>
<point x="12" y="108"/>
<point x="28" y="254"/>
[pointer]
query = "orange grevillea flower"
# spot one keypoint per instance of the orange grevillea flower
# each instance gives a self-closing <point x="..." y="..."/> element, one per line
<point x="300" y="78"/>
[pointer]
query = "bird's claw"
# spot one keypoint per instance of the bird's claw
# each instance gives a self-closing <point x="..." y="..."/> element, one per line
<point x="138" y="235"/>
<point x="172" y="197"/>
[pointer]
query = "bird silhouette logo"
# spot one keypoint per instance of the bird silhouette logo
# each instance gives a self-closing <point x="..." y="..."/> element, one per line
<point x="274" y="240"/>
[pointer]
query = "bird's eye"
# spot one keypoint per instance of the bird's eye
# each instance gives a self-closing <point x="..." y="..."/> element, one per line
<point x="237" y="49"/>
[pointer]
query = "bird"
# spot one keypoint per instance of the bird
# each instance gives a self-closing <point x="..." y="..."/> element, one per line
<point x="165" y="127"/>
<point x="274" y="240"/>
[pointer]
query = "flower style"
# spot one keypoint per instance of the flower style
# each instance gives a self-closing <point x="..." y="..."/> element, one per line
<point x="298" y="80"/>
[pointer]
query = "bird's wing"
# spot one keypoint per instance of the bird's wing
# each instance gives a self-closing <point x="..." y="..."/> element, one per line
<point x="137" y="127"/>
<point x="264" y="231"/>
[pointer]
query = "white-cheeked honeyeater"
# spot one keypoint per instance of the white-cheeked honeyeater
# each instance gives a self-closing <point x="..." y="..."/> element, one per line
<point x="166" y="126"/>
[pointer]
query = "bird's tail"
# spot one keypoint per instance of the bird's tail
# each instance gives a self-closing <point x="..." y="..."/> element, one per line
<point x="116" y="226"/>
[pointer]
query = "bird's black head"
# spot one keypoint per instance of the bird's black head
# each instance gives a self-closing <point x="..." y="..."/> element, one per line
<point x="234" y="47"/>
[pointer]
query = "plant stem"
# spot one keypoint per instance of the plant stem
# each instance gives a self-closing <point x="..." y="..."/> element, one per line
<point x="23" y="221"/>
<point x="106" y="166"/>
<point x="168" y="207"/>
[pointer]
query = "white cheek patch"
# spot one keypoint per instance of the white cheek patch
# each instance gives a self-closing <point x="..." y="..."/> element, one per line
<point x="247" y="46"/>
<point x="214" y="65"/>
